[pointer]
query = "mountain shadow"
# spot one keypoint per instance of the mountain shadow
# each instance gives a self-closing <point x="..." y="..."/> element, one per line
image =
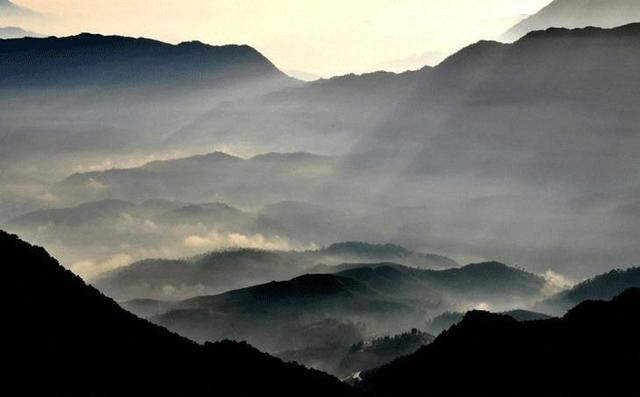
<point x="66" y="338"/>
<point x="592" y="350"/>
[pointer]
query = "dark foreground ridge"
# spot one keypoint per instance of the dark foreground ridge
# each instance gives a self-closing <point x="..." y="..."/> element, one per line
<point x="593" y="350"/>
<point x="66" y="338"/>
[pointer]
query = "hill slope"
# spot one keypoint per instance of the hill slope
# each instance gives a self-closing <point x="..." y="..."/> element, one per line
<point x="66" y="321"/>
<point x="591" y="350"/>
<point x="578" y="14"/>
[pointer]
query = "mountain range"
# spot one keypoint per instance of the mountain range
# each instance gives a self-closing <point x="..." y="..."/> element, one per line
<point x="530" y="129"/>
<point x="578" y="14"/>
<point x="76" y="341"/>
<point x="382" y="299"/>
<point x="469" y="158"/>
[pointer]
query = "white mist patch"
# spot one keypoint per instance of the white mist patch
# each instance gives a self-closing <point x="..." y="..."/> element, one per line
<point x="95" y="185"/>
<point x="216" y="240"/>
<point x="47" y="198"/>
<point x="127" y="223"/>
<point x="556" y="282"/>
<point x="90" y="268"/>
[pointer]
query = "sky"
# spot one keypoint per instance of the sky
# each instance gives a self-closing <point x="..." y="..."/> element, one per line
<point x="323" y="37"/>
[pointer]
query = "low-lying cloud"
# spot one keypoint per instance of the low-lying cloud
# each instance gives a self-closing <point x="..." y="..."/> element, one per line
<point x="217" y="240"/>
<point x="90" y="268"/>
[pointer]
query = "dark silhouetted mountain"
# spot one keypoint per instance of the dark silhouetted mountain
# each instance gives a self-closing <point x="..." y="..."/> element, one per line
<point x="70" y="337"/>
<point x="12" y="32"/>
<point x="591" y="350"/>
<point x="444" y="321"/>
<point x="604" y="286"/>
<point x="95" y="60"/>
<point x="578" y="14"/>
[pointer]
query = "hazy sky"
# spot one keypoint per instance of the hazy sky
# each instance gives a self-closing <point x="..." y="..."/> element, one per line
<point x="325" y="37"/>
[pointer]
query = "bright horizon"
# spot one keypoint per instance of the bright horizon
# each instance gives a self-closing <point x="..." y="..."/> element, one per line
<point x="335" y="38"/>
